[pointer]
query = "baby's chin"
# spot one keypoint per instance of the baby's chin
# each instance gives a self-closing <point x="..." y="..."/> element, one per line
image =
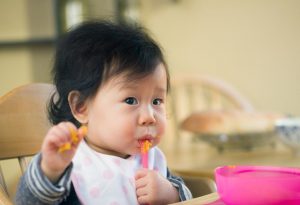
<point x="126" y="155"/>
<point x="134" y="152"/>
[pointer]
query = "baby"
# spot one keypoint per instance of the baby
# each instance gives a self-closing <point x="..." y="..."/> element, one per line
<point x="112" y="83"/>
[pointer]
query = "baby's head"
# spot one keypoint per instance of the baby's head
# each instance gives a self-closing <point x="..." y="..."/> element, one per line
<point x="91" y="54"/>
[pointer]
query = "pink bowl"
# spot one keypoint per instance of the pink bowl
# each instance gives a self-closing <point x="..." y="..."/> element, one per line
<point x="258" y="185"/>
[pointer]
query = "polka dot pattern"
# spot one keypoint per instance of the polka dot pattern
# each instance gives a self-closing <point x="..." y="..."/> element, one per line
<point x="95" y="192"/>
<point x="99" y="178"/>
<point x="108" y="174"/>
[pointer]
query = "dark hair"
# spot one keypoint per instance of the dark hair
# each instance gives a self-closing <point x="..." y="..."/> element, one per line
<point x="93" y="52"/>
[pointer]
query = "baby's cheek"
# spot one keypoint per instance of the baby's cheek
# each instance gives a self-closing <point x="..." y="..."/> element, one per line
<point x="162" y="126"/>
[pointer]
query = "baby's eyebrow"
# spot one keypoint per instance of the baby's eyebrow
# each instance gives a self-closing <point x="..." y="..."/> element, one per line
<point x="133" y="85"/>
<point x="161" y="90"/>
<point x="128" y="85"/>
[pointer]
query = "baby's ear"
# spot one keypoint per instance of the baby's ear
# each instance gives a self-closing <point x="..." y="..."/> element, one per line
<point x="79" y="109"/>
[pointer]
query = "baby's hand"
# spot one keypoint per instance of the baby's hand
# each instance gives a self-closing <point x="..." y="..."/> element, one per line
<point x="154" y="189"/>
<point x="54" y="162"/>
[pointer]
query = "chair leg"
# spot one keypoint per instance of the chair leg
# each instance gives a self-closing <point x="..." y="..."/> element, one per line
<point x="2" y="182"/>
<point x="4" y="200"/>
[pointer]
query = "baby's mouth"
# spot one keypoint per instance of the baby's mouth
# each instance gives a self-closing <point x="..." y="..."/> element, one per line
<point x="148" y="138"/>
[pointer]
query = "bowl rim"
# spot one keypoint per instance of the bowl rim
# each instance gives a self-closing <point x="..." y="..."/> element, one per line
<point x="219" y="171"/>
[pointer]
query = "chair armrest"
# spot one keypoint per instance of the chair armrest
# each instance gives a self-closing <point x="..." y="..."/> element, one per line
<point x="4" y="200"/>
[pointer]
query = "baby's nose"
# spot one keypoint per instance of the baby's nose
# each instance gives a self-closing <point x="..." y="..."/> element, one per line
<point x="146" y="116"/>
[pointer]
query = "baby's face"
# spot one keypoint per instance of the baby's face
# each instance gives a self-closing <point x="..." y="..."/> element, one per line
<point x="125" y="112"/>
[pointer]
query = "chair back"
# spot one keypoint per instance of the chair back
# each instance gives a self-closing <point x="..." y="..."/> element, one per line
<point x="23" y="123"/>
<point x="190" y="93"/>
<point x="197" y="182"/>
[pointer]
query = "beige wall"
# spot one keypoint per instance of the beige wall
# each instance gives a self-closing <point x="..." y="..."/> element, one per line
<point x="253" y="44"/>
<point x="21" y="20"/>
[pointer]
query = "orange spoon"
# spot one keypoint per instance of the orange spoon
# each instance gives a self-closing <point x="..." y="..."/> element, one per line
<point x="145" y="146"/>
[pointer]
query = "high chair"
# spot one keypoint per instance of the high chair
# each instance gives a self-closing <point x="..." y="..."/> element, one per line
<point x="198" y="184"/>
<point x="190" y="93"/>
<point x="23" y="124"/>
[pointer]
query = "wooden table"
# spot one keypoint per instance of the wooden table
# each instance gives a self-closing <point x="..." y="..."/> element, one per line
<point x="202" y="159"/>
<point x="210" y="199"/>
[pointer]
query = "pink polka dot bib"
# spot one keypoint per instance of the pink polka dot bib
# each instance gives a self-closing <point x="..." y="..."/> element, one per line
<point x="109" y="180"/>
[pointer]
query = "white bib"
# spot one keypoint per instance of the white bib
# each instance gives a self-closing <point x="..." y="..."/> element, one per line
<point x="109" y="180"/>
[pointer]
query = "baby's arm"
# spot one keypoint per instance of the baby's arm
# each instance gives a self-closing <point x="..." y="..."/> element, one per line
<point x="184" y="192"/>
<point x="36" y="188"/>
<point x="152" y="188"/>
<point x="47" y="179"/>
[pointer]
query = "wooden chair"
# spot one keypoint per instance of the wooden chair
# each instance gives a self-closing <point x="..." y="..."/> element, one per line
<point x="190" y="93"/>
<point x="23" y="124"/>
<point x="198" y="184"/>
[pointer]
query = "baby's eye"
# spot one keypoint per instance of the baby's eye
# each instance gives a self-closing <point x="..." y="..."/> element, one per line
<point x="157" y="101"/>
<point x="131" y="101"/>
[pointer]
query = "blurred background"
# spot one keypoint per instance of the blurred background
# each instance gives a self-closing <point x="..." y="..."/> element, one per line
<point x="254" y="45"/>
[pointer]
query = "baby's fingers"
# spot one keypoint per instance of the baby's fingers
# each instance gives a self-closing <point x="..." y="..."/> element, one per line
<point x="81" y="133"/>
<point x="76" y="135"/>
<point x="55" y="137"/>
